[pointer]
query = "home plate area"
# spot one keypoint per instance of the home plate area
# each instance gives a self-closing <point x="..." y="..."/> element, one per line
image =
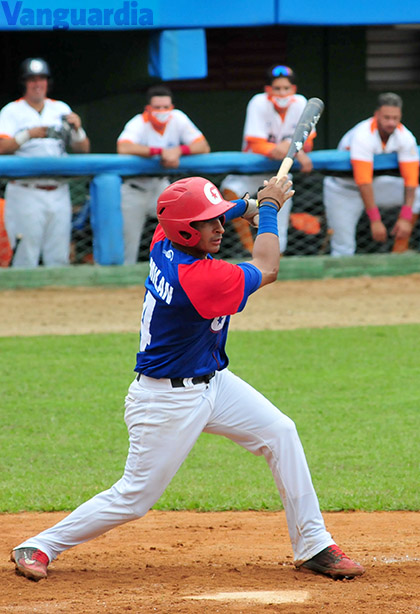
<point x="249" y="597"/>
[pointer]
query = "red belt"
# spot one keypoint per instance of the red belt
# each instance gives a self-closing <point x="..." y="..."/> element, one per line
<point x="40" y="187"/>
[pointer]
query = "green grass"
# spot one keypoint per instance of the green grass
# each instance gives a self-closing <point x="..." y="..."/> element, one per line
<point x="353" y="393"/>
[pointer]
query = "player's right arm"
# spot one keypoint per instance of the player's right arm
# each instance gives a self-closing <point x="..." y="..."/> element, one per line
<point x="9" y="144"/>
<point x="12" y="136"/>
<point x="128" y="141"/>
<point x="134" y="149"/>
<point x="377" y="228"/>
<point x="266" y="251"/>
<point x="361" y="157"/>
<point x="255" y="128"/>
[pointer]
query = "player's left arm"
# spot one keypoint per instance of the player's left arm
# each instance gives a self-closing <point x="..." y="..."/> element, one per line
<point x="306" y="164"/>
<point x="408" y="161"/>
<point x="191" y="142"/>
<point x="79" y="141"/>
<point x="217" y="287"/>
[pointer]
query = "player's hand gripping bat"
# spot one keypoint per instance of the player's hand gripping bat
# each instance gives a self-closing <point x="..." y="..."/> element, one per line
<point x="307" y="122"/>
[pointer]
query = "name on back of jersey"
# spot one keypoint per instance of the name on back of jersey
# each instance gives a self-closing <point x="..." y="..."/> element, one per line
<point x="163" y="288"/>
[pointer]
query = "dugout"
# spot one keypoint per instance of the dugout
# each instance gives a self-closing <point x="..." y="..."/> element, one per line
<point x="344" y="54"/>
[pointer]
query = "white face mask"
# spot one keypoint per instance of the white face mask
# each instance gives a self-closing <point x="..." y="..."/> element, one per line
<point x="162" y="116"/>
<point x="282" y="102"/>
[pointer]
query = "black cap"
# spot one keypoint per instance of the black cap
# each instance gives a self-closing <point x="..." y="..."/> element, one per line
<point x="32" y="67"/>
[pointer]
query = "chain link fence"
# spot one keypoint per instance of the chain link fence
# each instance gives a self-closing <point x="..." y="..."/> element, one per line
<point x="308" y="233"/>
<point x="81" y="250"/>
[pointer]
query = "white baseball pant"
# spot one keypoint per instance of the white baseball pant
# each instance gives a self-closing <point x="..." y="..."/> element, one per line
<point x="43" y="218"/>
<point x="344" y="207"/>
<point x="163" y="425"/>
<point x="138" y="201"/>
<point x="241" y="184"/>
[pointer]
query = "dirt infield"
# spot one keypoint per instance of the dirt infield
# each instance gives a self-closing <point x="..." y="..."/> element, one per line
<point x="156" y="564"/>
<point x="236" y="562"/>
<point x="356" y="301"/>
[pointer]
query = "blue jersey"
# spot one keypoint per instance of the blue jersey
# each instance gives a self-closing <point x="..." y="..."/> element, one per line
<point x="186" y="311"/>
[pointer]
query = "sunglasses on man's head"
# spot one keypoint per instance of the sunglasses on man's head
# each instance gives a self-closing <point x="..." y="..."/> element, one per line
<point x="281" y="71"/>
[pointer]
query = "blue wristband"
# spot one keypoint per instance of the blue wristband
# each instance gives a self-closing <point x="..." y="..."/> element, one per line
<point x="268" y="220"/>
<point x="236" y="211"/>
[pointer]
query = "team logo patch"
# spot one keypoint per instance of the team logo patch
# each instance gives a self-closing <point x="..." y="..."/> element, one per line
<point x="169" y="254"/>
<point x="212" y="193"/>
<point x="218" y="323"/>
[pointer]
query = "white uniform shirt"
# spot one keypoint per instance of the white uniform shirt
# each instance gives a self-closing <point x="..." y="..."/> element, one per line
<point x="364" y="141"/>
<point x="263" y="121"/>
<point x="19" y="115"/>
<point x="180" y="130"/>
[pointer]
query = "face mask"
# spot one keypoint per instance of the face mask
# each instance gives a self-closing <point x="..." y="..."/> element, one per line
<point x="162" y="116"/>
<point x="281" y="102"/>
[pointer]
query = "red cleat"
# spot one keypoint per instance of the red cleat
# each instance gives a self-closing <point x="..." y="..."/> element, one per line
<point x="30" y="562"/>
<point x="333" y="562"/>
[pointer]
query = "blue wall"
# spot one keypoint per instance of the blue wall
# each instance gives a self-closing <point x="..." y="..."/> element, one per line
<point x="161" y="14"/>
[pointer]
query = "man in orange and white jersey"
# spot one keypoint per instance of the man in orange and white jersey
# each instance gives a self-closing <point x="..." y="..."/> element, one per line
<point x="345" y="199"/>
<point x="160" y="131"/>
<point x="39" y="210"/>
<point x="271" y="119"/>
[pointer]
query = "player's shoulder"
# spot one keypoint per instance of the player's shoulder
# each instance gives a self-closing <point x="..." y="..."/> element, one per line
<point x="365" y="125"/>
<point x="13" y="106"/>
<point x="362" y="130"/>
<point x="258" y="100"/>
<point x="178" y="113"/>
<point x="133" y="128"/>
<point x="405" y="133"/>
<point x="300" y="100"/>
<point x="180" y="117"/>
<point x="58" y="104"/>
<point x="136" y="120"/>
<point x="211" y="272"/>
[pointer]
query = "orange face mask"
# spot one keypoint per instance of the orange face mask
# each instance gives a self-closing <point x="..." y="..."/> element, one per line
<point x="159" y="119"/>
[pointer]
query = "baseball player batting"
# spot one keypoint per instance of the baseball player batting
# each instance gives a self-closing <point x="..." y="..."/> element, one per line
<point x="183" y="385"/>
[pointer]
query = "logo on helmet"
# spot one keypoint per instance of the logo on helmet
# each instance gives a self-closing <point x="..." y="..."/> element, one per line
<point x="36" y="66"/>
<point x="212" y="193"/>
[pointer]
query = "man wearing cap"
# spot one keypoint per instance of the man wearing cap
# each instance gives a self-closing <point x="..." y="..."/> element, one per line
<point x="39" y="210"/>
<point x="271" y="118"/>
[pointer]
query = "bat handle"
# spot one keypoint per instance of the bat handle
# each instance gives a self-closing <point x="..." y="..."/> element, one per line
<point x="285" y="167"/>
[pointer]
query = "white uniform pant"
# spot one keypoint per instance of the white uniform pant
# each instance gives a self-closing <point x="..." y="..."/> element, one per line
<point x="43" y="218"/>
<point x="137" y="203"/>
<point x="163" y="425"/>
<point x="344" y="207"/>
<point x="241" y="184"/>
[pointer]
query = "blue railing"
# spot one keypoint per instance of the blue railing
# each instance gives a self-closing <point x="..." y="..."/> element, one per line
<point x="108" y="169"/>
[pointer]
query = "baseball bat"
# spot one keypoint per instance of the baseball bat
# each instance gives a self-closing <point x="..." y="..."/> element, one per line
<point x="307" y="122"/>
<point x="18" y="239"/>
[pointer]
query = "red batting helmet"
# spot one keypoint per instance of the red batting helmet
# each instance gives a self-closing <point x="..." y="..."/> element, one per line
<point x="189" y="200"/>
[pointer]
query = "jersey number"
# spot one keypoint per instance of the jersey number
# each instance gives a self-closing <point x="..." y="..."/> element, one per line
<point x="146" y="318"/>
